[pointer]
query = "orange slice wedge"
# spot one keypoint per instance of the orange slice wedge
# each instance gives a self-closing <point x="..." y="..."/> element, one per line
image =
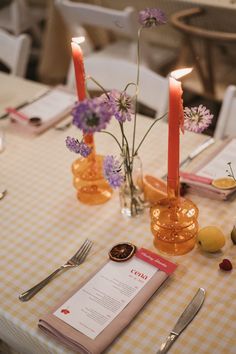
<point x="154" y="188"/>
<point x="224" y="183"/>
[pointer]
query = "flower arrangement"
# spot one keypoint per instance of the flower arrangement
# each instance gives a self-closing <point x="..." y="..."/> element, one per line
<point x="93" y="115"/>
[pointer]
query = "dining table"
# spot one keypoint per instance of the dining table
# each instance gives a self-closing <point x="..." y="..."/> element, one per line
<point x="43" y="223"/>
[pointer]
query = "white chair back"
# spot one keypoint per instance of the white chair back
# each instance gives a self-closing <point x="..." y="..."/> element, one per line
<point x="15" y="51"/>
<point x="125" y="24"/>
<point x="153" y="88"/>
<point x="10" y="16"/>
<point x="226" y="122"/>
<point x="18" y="17"/>
<point x="122" y="22"/>
<point x="80" y="14"/>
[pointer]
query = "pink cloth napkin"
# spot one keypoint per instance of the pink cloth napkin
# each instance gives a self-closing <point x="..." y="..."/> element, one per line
<point x="79" y="342"/>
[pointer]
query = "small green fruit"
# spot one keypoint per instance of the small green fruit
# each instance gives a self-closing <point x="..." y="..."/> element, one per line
<point x="211" y="239"/>
<point x="233" y="235"/>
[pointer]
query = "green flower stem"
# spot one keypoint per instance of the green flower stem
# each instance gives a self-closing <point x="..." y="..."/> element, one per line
<point x="128" y="169"/>
<point x="124" y="139"/>
<point x="97" y="83"/>
<point x="137" y="87"/>
<point x="104" y="131"/>
<point x="129" y="84"/>
<point x="129" y="190"/>
<point x="155" y="121"/>
<point x="127" y="160"/>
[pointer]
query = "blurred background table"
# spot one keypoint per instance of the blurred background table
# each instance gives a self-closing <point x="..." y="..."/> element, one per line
<point x="42" y="224"/>
<point x="56" y="52"/>
<point x="170" y="47"/>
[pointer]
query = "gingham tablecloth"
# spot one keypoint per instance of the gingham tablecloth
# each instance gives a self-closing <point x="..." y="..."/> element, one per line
<point x="42" y="224"/>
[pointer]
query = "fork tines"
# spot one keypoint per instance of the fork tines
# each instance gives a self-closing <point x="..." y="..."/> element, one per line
<point x="82" y="252"/>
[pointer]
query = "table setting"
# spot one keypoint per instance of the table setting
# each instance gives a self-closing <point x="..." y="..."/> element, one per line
<point x="92" y="261"/>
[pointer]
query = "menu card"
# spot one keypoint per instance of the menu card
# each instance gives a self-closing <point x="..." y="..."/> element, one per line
<point x="199" y="179"/>
<point x="95" y="313"/>
<point x="50" y="108"/>
<point x="216" y="166"/>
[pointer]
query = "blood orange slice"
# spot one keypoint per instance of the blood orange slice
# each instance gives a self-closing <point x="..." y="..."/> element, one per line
<point x="154" y="188"/>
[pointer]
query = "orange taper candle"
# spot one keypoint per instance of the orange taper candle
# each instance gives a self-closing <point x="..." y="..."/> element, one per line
<point x="174" y="120"/>
<point x="78" y="60"/>
<point x="79" y="68"/>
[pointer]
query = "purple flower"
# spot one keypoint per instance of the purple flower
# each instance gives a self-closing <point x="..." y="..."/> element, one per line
<point x="112" y="171"/>
<point x="121" y="105"/>
<point x="78" y="147"/>
<point x="152" y="17"/>
<point x="197" y="119"/>
<point x="91" y="115"/>
<point x="85" y="150"/>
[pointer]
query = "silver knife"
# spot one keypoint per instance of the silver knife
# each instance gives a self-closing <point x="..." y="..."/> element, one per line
<point x="198" y="150"/>
<point x="195" y="153"/>
<point x="186" y="317"/>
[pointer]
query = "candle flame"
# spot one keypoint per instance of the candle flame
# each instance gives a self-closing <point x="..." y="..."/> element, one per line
<point x="78" y="40"/>
<point x="177" y="74"/>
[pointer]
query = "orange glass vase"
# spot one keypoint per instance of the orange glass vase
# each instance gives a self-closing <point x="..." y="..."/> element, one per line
<point x="88" y="179"/>
<point x="174" y="223"/>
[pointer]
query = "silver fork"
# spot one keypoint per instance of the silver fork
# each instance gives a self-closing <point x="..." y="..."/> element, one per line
<point x="74" y="261"/>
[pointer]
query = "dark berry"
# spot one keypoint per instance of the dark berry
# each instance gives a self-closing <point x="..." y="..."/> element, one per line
<point x="226" y="265"/>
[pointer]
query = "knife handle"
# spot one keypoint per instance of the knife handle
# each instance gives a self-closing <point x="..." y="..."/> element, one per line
<point x="167" y="344"/>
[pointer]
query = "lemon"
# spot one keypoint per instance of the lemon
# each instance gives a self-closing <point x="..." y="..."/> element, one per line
<point x="233" y="235"/>
<point x="224" y="183"/>
<point x="211" y="239"/>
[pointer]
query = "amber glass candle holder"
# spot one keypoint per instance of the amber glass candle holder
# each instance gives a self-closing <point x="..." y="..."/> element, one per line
<point x="174" y="223"/>
<point x="88" y="179"/>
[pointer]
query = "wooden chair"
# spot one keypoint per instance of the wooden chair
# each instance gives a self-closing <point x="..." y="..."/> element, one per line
<point x="114" y="73"/>
<point x="208" y="51"/>
<point x="15" y="52"/>
<point x="226" y="122"/>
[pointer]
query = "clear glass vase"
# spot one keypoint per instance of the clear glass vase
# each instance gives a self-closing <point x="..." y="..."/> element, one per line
<point x="131" y="192"/>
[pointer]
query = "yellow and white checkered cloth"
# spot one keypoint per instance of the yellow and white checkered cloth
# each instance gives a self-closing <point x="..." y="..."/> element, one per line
<point x="42" y="225"/>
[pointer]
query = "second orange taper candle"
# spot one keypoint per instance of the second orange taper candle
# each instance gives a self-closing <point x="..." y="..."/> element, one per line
<point x="176" y="122"/>
<point x="175" y="119"/>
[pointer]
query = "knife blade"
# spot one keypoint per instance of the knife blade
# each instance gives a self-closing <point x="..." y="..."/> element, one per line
<point x="198" y="150"/>
<point x="206" y="143"/>
<point x="183" y="321"/>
